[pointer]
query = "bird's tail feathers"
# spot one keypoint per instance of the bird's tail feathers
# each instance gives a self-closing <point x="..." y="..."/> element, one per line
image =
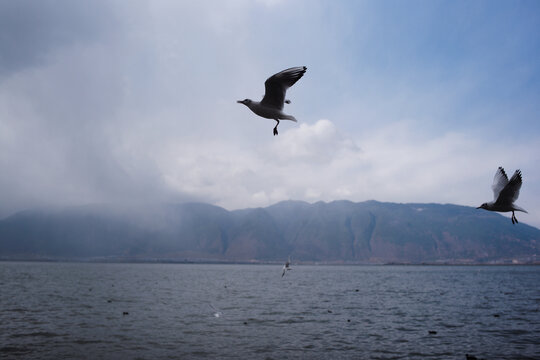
<point x="517" y="208"/>
<point x="289" y="117"/>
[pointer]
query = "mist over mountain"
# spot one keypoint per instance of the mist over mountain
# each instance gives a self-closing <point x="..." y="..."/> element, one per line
<point x="336" y="232"/>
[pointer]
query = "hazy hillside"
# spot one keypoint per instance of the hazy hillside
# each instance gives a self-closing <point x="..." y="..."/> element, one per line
<point x="340" y="231"/>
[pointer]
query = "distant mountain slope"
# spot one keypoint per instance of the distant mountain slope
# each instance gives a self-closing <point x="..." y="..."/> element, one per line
<point x="339" y="231"/>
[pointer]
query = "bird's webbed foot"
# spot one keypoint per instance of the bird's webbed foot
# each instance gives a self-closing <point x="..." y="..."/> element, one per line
<point x="275" y="128"/>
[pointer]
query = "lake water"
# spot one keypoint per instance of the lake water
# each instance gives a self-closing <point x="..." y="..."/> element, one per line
<point x="158" y="311"/>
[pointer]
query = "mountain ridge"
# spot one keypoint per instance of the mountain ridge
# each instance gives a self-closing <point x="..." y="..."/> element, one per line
<point x="340" y="231"/>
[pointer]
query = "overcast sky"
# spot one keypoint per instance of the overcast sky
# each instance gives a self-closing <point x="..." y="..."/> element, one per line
<point x="403" y="101"/>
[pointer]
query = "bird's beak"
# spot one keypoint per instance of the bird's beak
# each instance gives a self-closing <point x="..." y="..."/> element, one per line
<point x="479" y="207"/>
<point x="240" y="101"/>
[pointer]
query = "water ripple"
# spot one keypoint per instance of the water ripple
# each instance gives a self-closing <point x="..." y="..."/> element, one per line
<point x="55" y="310"/>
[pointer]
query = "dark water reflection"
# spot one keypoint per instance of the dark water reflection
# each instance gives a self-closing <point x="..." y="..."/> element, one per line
<point x="146" y="311"/>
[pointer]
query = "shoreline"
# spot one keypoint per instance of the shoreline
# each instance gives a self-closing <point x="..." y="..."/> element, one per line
<point x="120" y="260"/>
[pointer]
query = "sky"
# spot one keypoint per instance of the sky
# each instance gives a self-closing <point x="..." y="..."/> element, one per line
<point x="135" y="102"/>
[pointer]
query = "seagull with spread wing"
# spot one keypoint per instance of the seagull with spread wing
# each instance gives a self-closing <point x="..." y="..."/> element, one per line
<point x="286" y="267"/>
<point x="505" y="192"/>
<point x="271" y="106"/>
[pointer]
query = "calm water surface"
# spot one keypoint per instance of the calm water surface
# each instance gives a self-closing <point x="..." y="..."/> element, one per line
<point x="154" y="311"/>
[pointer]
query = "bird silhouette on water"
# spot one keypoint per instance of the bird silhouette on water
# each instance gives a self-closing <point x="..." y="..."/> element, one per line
<point x="505" y="193"/>
<point x="271" y="105"/>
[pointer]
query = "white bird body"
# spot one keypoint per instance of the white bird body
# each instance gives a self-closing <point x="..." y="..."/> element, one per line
<point x="271" y="106"/>
<point x="505" y="193"/>
<point x="267" y="111"/>
<point x="494" y="206"/>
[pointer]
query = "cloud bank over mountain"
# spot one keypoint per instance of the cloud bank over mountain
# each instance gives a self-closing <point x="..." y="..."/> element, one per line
<point x="136" y="102"/>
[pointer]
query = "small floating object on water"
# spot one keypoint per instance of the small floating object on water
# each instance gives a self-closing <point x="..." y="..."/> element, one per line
<point x="109" y="301"/>
<point x="471" y="357"/>
<point x="329" y="311"/>
<point x="432" y="332"/>
<point x="125" y="313"/>
<point x="348" y="320"/>
<point x="217" y="313"/>
<point x="245" y="322"/>
<point x="357" y="290"/>
<point x="496" y="315"/>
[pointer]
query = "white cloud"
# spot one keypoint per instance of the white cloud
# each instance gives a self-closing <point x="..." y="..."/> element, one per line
<point x="298" y="164"/>
<point x="317" y="143"/>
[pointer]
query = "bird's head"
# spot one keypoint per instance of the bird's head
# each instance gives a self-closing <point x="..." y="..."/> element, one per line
<point x="245" y="102"/>
<point x="483" y="206"/>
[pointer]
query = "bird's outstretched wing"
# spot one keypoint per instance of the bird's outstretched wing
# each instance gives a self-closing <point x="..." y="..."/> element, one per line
<point x="510" y="193"/>
<point x="276" y="86"/>
<point x="499" y="182"/>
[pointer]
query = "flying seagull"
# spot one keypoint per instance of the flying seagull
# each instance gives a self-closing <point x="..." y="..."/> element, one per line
<point x="505" y="193"/>
<point x="271" y="106"/>
<point x="286" y="267"/>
